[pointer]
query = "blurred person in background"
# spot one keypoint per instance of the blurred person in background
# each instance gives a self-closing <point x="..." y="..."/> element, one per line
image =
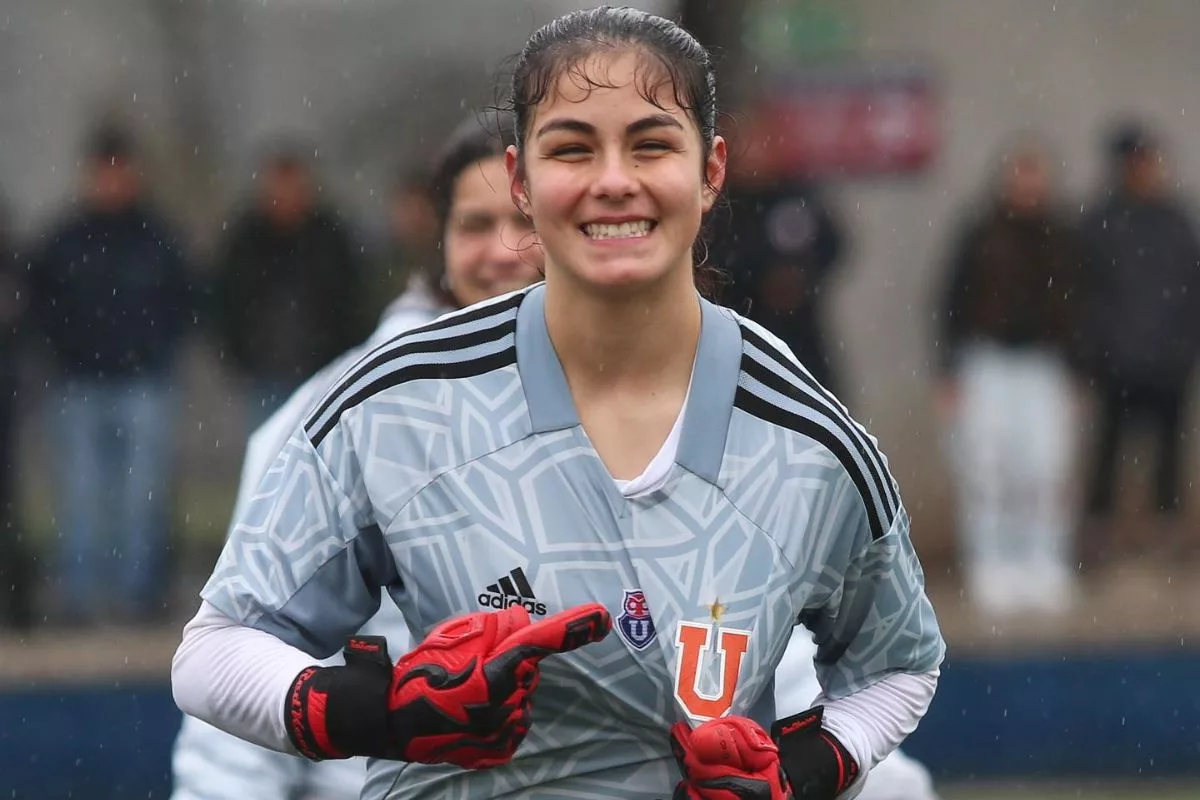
<point x="289" y="286"/>
<point x="16" y="564"/>
<point x="1008" y="322"/>
<point x="488" y="251"/>
<point x="413" y="232"/>
<point x="110" y="299"/>
<point x="779" y="244"/>
<point x="1143" y="273"/>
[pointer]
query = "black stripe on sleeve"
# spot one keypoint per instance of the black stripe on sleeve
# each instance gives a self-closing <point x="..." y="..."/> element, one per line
<point x="757" y="407"/>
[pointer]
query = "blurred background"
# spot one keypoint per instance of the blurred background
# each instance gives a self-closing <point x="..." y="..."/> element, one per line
<point x="971" y="219"/>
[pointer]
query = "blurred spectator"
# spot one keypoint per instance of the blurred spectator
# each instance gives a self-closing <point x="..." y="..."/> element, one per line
<point x="1142" y="268"/>
<point x="778" y="244"/>
<point x="1008" y="316"/>
<point x="289" y="286"/>
<point x="412" y="233"/>
<point x="16" y="566"/>
<point x="110" y="297"/>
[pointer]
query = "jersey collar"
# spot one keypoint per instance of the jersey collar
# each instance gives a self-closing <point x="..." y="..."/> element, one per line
<point x="709" y="405"/>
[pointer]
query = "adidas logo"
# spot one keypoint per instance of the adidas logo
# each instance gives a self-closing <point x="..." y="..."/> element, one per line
<point x="512" y="590"/>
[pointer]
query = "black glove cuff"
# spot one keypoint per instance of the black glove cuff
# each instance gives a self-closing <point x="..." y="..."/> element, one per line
<point x="816" y="763"/>
<point x="341" y="712"/>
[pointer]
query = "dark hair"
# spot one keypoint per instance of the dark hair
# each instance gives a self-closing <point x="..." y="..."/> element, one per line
<point x="563" y="44"/>
<point x="474" y="140"/>
<point x="1129" y="139"/>
<point x="110" y="143"/>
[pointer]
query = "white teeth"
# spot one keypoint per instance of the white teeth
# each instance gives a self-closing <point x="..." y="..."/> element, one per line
<point x="625" y="230"/>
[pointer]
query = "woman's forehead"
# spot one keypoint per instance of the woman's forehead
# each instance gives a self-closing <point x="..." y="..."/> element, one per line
<point x="614" y="76"/>
<point x="481" y="180"/>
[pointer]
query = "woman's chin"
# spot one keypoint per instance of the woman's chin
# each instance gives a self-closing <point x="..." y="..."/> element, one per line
<point x="620" y="275"/>
<point x="622" y="282"/>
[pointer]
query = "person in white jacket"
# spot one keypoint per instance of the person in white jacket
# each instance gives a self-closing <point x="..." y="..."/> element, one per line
<point x="487" y="251"/>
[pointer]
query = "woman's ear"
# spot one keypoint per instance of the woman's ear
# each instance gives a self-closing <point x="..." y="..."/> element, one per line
<point x="516" y="179"/>
<point x="714" y="172"/>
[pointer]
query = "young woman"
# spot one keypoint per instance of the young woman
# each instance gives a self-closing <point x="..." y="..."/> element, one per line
<point x="606" y="450"/>
<point x="487" y="251"/>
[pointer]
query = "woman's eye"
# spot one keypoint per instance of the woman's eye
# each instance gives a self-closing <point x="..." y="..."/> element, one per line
<point x="660" y="147"/>
<point x="473" y="226"/>
<point x="569" y="150"/>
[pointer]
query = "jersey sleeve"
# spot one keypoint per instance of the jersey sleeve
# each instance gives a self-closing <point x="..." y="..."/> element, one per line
<point x="869" y="613"/>
<point x="305" y="559"/>
<point x="269" y="439"/>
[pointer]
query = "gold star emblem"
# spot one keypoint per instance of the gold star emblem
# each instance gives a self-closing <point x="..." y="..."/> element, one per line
<point x="716" y="609"/>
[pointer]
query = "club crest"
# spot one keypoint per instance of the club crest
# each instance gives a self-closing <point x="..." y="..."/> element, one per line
<point x="634" y="621"/>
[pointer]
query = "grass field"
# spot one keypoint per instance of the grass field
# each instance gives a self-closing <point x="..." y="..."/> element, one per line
<point x="1067" y="791"/>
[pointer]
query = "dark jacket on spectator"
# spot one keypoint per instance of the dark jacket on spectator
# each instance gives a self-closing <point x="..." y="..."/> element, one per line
<point x="110" y="293"/>
<point x="14" y="301"/>
<point x="1013" y="281"/>
<point x="1143" y="273"/>
<point x="288" y="301"/>
<point x="779" y="245"/>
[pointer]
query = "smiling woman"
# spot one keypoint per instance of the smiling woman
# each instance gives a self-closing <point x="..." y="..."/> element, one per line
<point x="619" y="158"/>
<point x="610" y="161"/>
<point x="617" y="163"/>
<point x="607" y="445"/>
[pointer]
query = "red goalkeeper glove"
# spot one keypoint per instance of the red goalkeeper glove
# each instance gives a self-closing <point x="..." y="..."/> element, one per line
<point x="461" y="697"/>
<point x="733" y="758"/>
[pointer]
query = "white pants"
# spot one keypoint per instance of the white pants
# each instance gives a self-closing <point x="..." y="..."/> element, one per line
<point x="1012" y="448"/>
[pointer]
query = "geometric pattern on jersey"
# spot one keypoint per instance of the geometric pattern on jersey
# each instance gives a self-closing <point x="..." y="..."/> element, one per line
<point x="435" y="489"/>
<point x="457" y="346"/>
<point x="776" y="388"/>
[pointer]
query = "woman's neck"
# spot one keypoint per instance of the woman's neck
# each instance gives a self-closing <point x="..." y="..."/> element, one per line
<point x="637" y="342"/>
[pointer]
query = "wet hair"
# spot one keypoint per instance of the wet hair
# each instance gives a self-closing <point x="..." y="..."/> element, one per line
<point x="476" y="139"/>
<point x="563" y="47"/>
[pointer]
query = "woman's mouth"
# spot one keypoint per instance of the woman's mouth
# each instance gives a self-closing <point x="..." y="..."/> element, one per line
<point x="633" y="229"/>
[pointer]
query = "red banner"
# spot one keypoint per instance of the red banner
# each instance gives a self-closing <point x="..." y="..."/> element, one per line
<point x="852" y="122"/>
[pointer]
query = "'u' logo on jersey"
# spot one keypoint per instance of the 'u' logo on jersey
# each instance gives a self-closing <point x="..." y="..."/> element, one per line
<point x="691" y="643"/>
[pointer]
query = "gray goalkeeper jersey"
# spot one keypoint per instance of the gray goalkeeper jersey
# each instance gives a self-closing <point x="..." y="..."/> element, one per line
<point x="449" y="468"/>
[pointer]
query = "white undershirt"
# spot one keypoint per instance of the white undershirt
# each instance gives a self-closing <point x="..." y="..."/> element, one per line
<point x="238" y="678"/>
<point x="655" y="475"/>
